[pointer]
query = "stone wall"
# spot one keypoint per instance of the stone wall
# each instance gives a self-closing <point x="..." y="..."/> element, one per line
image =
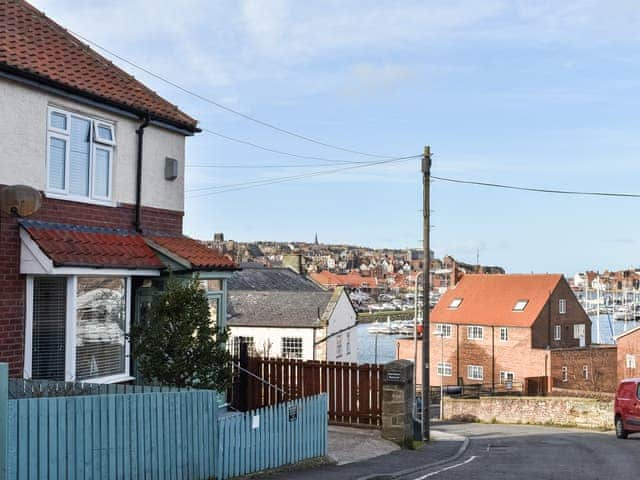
<point x="578" y="412"/>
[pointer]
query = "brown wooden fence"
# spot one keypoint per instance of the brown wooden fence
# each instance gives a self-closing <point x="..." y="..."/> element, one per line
<point x="354" y="391"/>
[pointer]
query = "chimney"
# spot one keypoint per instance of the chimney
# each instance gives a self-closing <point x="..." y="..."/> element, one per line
<point x="293" y="261"/>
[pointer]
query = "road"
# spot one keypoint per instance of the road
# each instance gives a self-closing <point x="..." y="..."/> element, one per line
<point x="523" y="452"/>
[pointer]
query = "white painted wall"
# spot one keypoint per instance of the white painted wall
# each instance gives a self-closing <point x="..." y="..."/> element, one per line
<point x="343" y="318"/>
<point x="268" y="339"/>
<point x="23" y="137"/>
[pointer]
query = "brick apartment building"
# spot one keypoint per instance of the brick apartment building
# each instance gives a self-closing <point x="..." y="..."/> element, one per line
<point x="499" y="328"/>
<point x="106" y="155"/>
<point x="628" y="354"/>
<point x="584" y="369"/>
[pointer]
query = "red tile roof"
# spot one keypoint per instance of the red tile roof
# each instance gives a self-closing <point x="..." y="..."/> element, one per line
<point x="353" y="280"/>
<point x="198" y="255"/>
<point x="32" y="44"/>
<point x="79" y="246"/>
<point x="489" y="299"/>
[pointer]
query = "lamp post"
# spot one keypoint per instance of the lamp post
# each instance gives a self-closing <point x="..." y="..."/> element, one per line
<point x="441" y="335"/>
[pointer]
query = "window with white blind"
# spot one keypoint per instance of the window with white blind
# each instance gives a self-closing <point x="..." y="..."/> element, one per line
<point x="79" y="156"/>
<point x="77" y="328"/>
<point x="100" y="327"/>
<point x="49" y="322"/>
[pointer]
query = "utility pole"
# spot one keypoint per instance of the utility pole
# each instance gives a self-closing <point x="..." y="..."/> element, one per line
<point x="426" y="217"/>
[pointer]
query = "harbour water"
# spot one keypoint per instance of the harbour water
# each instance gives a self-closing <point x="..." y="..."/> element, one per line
<point x="386" y="344"/>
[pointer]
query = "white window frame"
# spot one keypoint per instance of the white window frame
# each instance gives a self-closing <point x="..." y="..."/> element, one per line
<point x="579" y="330"/>
<point x="338" y="346"/>
<point x="70" y="331"/>
<point x="98" y="138"/>
<point x="520" y="305"/>
<point x="455" y="303"/>
<point x="475" y="329"/>
<point x="443" y="330"/>
<point x="557" y="332"/>
<point x="562" y="306"/>
<point x="565" y="374"/>
<point x="445" y="369"/>
<point x="504" y="334"/>
<point x="65" y="135"/>
<point x="475" y="372"/>
<point x="585" y="372"/>
<point x="504" y="377"/>
<point x="282" y="344"/>
<point x="630" y="360"/>
<point x="92" y="172"/>
<point x="348" y="343"/>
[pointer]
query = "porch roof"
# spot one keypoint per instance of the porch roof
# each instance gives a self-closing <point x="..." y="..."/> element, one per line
<point x="95" y="247"/>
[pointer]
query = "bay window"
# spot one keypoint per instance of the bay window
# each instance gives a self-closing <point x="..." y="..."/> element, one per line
<point x="79" y="156"/>
<point x="76" y="328"/>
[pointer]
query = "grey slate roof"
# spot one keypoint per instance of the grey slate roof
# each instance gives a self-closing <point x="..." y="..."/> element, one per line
<point x="271" y="279"/>
<point x="277" y="308"/>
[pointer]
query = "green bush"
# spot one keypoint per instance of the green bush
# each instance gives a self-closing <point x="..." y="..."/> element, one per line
<point x="178" y="345"/>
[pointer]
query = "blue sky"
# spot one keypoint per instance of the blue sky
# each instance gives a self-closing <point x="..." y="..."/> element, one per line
<point x="539" y="94"/>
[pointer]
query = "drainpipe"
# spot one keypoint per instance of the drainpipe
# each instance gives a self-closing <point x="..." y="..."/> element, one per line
<point x="140" y="133"/>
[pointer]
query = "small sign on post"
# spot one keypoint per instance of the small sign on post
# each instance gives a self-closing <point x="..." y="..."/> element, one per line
<point x="293" y="413"/>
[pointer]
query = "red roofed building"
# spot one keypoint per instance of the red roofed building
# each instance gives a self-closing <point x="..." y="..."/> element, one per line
<point x="106" y="155"/>
<point x="353" y="280"/>
<point x="500" y="328"/>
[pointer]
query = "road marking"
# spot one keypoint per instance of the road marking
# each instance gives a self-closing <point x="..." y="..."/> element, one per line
<point x="468" y="460"/>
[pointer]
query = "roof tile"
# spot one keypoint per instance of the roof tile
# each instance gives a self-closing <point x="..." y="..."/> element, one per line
<point x="80" y="246"/>
<point x="200" y="256"/>
<point x="489" y="299"/>
<point x="33" y="44"/>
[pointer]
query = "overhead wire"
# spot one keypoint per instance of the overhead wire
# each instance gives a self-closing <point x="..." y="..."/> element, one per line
<point x="533" y="189"/>
<point x="274" y="180"/>
<point x="224" y="107"/>
<point x="273" y="150"/>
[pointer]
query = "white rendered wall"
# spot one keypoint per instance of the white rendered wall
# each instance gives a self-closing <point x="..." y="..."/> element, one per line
<point x="342" y="319"/>
<point x="23" y="139"/>
<point x="267" y="340"/>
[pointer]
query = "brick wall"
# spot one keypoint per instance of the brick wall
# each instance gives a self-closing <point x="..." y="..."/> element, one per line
<point x="579" y="412"/>
<point x="628" y="344"/>
<point x="491" y="353"/>
<point x="543" y="335"/>
<point x="600" y="373"/>
<point x="12" y="284"/>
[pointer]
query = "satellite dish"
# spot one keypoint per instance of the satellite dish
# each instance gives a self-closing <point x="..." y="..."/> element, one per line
<point x="20" y="200"/>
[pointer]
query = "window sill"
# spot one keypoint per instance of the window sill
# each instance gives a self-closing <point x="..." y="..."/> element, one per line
<point x="72" y="198"/>
<point x="110" y="379"/>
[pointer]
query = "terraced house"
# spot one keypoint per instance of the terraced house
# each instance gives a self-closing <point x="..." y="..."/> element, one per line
<point x="500" y="331"/>
<point x="107" y="155"/>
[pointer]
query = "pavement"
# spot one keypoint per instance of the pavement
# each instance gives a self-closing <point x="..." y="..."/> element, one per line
<point x="362" y="454"/>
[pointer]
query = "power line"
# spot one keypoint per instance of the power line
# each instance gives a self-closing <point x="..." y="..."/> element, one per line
<point x="274" y="180"/>
<point x="273" y="150"/>
<point x="224" y="107"/>
<point x="539" y="190"/>
<point x="259" y="166"/>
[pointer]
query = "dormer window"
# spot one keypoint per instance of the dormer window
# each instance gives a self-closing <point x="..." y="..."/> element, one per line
<point x="520" y="305"/>
<point x="79" y="156"/>
<point x="455" y="303"/>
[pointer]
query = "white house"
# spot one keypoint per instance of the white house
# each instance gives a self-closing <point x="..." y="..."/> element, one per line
<point x="280" y="313"/>
<point x="106" y="155"/>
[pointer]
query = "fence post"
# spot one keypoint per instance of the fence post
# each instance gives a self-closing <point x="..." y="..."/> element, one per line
<point x="4" y="418"/>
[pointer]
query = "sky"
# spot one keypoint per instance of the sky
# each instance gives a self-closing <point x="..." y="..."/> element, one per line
<point x="530" y="93"/>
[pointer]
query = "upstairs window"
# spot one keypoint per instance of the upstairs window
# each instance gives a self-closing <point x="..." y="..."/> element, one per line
<point x="520" y="305"/>
<point x="562" y="306"/>
<point x="455" y="303"/>
<point x="291" y="347"/>
<point x="474" y="333"/>
<point x="557" y="332"/>
<point x="79" y="156"/>
<point x="504" y="334"/>
<point x="443" y="329"/>
<point x="630" y="360"/>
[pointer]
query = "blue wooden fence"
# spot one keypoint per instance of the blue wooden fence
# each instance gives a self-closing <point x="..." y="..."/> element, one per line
<point x="158" y="435"/>
<point x="272" y="436"/>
